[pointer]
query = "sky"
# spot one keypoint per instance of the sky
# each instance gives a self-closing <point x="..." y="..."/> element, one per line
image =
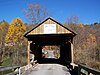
<point x="88" y="11"/>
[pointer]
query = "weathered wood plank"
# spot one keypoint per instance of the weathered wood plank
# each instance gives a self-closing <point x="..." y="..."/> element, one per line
<point x="8" y="68"/>
<point x="40" y="29"/>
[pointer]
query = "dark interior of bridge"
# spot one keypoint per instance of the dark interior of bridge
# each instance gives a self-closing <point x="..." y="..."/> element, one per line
<point x="61" y="40"/>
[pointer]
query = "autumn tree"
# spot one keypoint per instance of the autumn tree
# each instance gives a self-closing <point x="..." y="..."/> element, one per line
<point x="15" y="39"/>
<point x="36" y="13"/>
<point x="15" y="31"/>
<point x="3" y="30"/>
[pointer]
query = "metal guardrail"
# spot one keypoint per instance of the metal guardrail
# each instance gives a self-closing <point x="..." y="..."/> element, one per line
<point x="84" y="70"/>
<point x="6" y="68"/>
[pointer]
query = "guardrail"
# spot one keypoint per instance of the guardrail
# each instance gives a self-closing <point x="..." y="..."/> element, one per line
<point x="11" y="68"/>
<point x="84" y="70"/>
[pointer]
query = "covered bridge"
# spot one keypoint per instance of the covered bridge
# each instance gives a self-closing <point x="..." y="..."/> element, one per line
<point x="50" y="33"/>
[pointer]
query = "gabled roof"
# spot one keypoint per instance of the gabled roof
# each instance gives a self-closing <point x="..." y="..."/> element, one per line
<point x="46" y="20"/>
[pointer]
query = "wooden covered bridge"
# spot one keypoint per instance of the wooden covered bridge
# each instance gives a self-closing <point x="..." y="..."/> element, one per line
<point x="47" y="34"/>
<point x="51" y="42"/>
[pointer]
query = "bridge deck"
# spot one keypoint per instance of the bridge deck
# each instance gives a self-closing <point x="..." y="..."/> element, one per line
<point x="49" y="69"/>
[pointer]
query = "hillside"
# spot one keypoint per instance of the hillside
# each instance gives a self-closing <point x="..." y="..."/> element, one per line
<point x="87" y="44"/>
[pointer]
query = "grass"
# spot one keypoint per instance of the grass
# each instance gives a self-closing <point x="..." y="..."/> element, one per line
<point x="7" y="61"/>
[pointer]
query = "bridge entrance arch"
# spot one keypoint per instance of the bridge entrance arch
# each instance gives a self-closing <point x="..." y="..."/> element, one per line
<point x="50" y="33"/>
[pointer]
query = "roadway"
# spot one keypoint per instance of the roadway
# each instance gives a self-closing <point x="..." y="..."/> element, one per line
<point x="49" y="69"/>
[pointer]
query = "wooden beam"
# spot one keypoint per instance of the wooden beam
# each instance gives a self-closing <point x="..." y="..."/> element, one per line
<point x="28" y="52"/>
<point x="72" y="53"/>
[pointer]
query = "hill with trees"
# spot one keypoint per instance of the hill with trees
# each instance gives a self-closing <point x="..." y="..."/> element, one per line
<point x="86" y="44"/>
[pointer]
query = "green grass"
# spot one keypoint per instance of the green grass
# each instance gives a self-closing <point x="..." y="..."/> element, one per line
<point x="7" y="61"/>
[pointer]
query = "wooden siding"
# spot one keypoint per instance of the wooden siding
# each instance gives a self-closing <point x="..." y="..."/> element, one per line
<point x="40" y="29"/>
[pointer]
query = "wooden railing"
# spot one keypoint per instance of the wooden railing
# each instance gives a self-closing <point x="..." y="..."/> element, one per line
<point x="4" y="69"/>
<point x="84" y="70"/>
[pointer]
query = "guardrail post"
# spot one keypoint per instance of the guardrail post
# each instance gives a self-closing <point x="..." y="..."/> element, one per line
<point x="79" y="70"/>
<point x="19" y="70"/>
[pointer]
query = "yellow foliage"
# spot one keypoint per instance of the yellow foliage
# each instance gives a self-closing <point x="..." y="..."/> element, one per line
<point x="81" y="25"/>
<point x="15" y="31"/>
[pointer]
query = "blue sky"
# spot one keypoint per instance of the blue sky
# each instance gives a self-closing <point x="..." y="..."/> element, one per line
<point x="88" y="11"/>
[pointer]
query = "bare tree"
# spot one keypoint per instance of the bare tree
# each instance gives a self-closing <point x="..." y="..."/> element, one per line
<point x="73" y="19"/>
<point x="36" y="13"/>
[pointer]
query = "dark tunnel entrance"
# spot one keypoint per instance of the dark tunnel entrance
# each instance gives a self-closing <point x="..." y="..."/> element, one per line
<point x="52" y="48"/>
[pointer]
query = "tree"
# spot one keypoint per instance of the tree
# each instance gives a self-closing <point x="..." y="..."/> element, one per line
<point x="15" y="32"/>
<point x="36" y="13"/>
<point x="81" y="25"/>
<point x="3" y="30"/>
<point x="73" y="19"/>
<point x="15" y="39"/>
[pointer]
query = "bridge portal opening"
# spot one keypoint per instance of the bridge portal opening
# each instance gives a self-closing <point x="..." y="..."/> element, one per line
<point x="52" y="52"/>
